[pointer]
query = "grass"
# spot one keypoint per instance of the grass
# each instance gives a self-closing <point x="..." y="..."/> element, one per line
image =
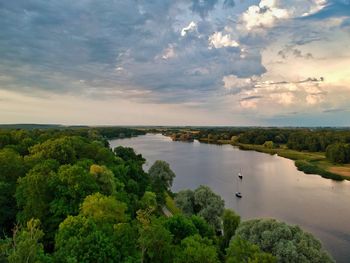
<point x="308" y="162"/>
<point x="170" y="204"/>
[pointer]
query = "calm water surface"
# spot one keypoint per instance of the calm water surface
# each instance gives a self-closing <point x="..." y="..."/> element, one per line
<point x="271" y="187"/>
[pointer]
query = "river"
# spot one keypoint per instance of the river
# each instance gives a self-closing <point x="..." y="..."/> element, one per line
<point x="271" y="186"/>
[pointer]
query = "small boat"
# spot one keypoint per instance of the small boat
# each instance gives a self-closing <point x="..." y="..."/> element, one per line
<point x="238" y="194"/>
<point x="240" y="175"/>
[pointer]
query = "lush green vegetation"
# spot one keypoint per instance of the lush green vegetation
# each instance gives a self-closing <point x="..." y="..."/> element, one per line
<point x="67" y="197"/>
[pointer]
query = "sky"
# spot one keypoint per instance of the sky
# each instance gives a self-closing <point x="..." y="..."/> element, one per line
<point x="175" y="62"/>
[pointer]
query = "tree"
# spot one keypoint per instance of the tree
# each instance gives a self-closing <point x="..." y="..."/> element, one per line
<point x="287" y="243"/>
<point x="338" y="153"/>
<point x="269" y="144"/>
<point x="230" y="223"/>
<point x="209" y="205"/>
<point x="180" y="227"/>
<point x="26" y="246"/>
<point x="104" y="178"/>
<point x="242" y="251"/>
<point x="128" y="154"/>
<point x="185" y="201"/>
<point x="33" y="193"/>
<point x="79" y="239"/>
<point x="155" y="242"/>
<point x="61" y="149"/>
<point x="149" y="200"/>
<point x="91" y="236"/>
<point x="161" y="178"/>
<point x="103" y="209"/>
<point x="195" y="249"/>
<point x="71" y="185"/>
<point x="11" y="168"/>
<point x="204" y="229"/>
<point x="203" y="202"/>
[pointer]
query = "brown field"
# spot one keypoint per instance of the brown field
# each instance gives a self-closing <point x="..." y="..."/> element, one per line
<point x="341" y="170"/>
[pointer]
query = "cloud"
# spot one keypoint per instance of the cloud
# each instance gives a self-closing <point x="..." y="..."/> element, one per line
<point x="294" y="52"/>
<point x="250" y="102"/>
<point x="169" y="52"/>
<point x="192" y="27"/>
<point x="285" y="98"/>
<point x="219" y="40"/>
<point x="264" y="15"/>
<point x="203" y="53"/>
<point x="236" y="83"/>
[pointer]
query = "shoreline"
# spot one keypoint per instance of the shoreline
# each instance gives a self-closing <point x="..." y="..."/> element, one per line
<point x="307" y="162"/>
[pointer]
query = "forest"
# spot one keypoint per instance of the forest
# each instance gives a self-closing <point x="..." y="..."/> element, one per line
<point x="66" y="196"/>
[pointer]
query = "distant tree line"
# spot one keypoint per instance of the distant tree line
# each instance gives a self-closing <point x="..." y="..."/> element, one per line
<point x="335" y="142"/>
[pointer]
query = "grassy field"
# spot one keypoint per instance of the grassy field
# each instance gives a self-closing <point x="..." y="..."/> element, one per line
<point x="308" y="162"/>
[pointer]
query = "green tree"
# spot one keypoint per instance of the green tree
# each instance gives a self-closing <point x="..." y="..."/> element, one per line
<point x="185" y="201"/>
<point x="269" y="144"/>
<point x="104" y="178"/>
<point x="103" y="209"/>
<point x="161" y="178"/>
<point x="94" y="235"/>
<point x="155" y="242"/>
<point x="230" y="223"/>
<point x="128" y="154"/>
<point x="195" y="249"/>
<point x="61" y="149"/>
<point x="71" y="185"/>
<point x="11" y="168"/>
<point x="204" y="229"/>
<point x="148" y="200"/>
<point x="79" y="239"/>
<point x="33" y="193"/>
<point x="338" y="153"/>
<point x="26" y="246"/>
<point x="203" y="202"/>
<point x="180" y="227"/>
<point x="287" y="243"/>
<point x="242" y="251"/>
<point x="209" y="205"/>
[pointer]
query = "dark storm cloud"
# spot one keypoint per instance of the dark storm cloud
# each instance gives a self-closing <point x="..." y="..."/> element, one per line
<point x="65" y="46"/>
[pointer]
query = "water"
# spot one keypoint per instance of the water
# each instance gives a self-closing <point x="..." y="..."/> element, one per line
<point x="271" y="186"/>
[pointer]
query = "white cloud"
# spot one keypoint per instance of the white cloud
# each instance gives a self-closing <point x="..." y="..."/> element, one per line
<point x="317" y="6"/>
<point x="285" y="98"/>
<point x="249" y="104"/>
<point x="169" y="52"/>
<point x="218" y="40"/>
<point x="233" y="82"/>
<point x="313" y="99"/>
<point x="192" y="27"/>
<point x="264" y="15"/>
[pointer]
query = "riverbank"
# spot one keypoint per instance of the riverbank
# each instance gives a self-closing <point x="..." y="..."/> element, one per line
<point x="308" y="162"/>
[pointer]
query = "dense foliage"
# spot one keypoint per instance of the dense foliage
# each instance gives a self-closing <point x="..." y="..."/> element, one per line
<point x="65" y="196"/>
<point x="287" y="243"/>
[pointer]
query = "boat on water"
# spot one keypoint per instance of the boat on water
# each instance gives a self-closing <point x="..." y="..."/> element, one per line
<point x="240" y="174"/>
